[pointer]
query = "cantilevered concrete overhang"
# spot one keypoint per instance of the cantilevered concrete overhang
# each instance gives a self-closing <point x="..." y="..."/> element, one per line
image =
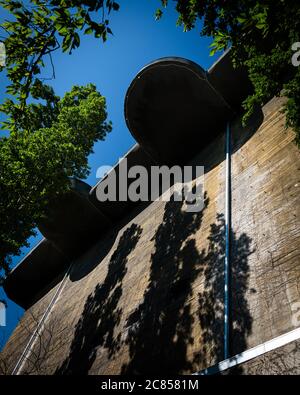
<point x="31" y="278"/>
<point x="73" y="223"/>
<point x="173" y="108"/>
<point x="117" y="209"/>
<point x="232" y="83"/>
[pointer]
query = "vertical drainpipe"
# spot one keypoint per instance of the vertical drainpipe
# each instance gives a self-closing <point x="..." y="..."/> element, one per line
<point x="227" y="244"/>
<point x="227" y="268"/>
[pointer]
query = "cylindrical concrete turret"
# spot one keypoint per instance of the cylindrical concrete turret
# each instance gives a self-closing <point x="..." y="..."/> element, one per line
<point x="173" y="110"/>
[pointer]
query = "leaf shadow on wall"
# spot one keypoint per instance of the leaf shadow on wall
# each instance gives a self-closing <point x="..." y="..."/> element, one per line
<point x="160" y="334"/>
<point x="211" y="299"/>
<point x="101" y="312"/>
<point x="160" y="331"/>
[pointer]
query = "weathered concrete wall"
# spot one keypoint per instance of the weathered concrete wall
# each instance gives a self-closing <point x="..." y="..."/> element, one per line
<point x="266" y="208"/>
<point x="282" y="361"/>
<point x="149" y="297"/>
<point x="21" y="336"/>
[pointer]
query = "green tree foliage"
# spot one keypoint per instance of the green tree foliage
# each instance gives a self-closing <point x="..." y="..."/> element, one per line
<point x="260" y="34"/>
<point x="50" y="144"/>
<point x="35" y="31"/>
<point x="49" y="139"/>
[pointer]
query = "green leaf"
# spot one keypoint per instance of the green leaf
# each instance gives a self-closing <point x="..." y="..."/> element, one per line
<point x="158" y="14"/>
<point x="89" y="30"/>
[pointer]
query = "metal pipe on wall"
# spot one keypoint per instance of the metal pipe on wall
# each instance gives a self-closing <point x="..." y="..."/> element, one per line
<point x="227" y="268"/>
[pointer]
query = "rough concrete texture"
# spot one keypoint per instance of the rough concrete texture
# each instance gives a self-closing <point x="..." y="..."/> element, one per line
<point x="148" y="298"/>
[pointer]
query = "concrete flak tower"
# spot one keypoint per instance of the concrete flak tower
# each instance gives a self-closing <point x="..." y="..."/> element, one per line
<point x="123" y="287"/>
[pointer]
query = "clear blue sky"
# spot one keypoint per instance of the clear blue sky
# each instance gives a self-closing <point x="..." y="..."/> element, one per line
<point x="138" y="39"/>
